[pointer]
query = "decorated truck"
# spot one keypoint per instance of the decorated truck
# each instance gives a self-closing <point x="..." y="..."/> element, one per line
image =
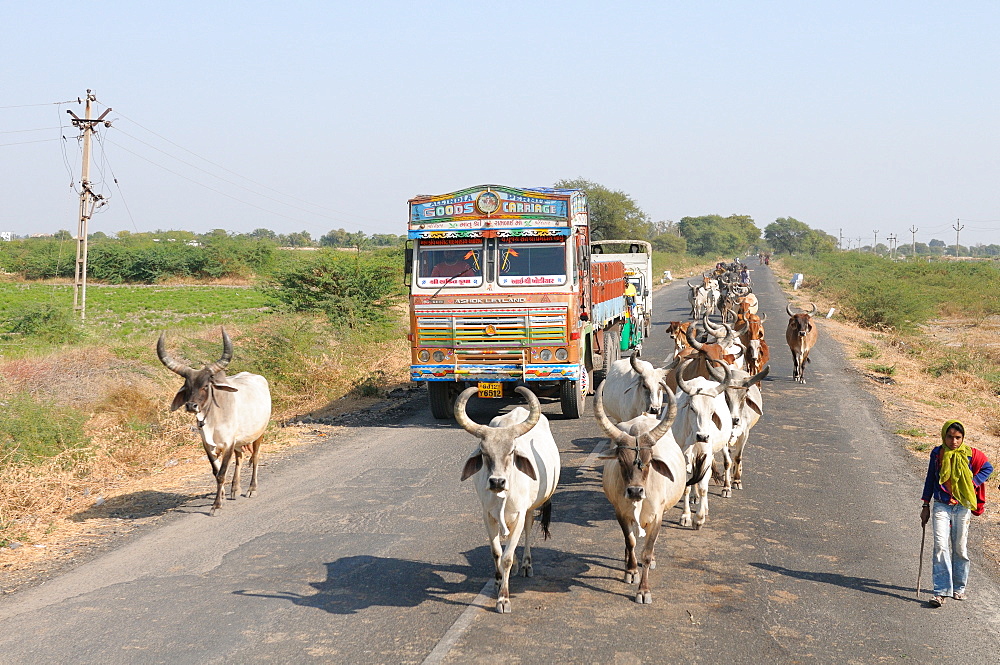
<point x="504" y="292"/>
<point x="637" y="256"/>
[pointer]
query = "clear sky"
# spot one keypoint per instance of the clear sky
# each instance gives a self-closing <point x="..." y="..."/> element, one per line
<point x="294" y="116"/>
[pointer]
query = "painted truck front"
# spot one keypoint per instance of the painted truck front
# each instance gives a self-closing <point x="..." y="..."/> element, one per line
<point x="502" y="293"/>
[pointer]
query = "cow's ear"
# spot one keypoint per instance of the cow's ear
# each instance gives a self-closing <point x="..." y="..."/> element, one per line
<point x="472" y="465"/>
<point x="608" y="452"/>
<point x="179" y="400"/>
<point x="525" y="466"/>
<point x="716" y="420"/>
<point x="224" y="386"/>
<point x="755" y="407"/>
<point x="662" y="468"/>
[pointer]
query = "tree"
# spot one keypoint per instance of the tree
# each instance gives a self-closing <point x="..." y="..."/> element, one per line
<point x="713" y="234"/>
<point x="263" y="234"/>
<point x="787" y="234"/>
<point x="613" y="214"/>
<point x="298" y="239"/>
<point x="63" y="234"/>
<point x="335" y="238"/>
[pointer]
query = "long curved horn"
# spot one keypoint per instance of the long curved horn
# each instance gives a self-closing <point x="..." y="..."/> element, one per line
<point x="721" y="388"/>
<point x="173" y="365"/>
<point x="682" y="383"/>
<point x="716" y="374"/>
<point x="694" y="343"/>
<point x="520" y="429"/>
<point x="711" y="327"/>
<point x="759" y="376"/>
<point x="652" y="436"/>
<point x="762" y="317"/>
<point x="463" y="419"/>
<point x="227" y="354"/>
<point x="689" y="285"/>
<point x="617" y="436"/>
<point x="788" y="308"/>
<point x="813" y="309"/>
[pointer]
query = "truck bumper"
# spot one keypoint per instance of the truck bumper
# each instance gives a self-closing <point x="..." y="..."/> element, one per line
<point x="494" y="373"/>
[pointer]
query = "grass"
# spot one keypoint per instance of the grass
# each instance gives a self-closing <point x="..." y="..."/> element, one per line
<point x="888" y="370"/>
<point x="868" y="351"/>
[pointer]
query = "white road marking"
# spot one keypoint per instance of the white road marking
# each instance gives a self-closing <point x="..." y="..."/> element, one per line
<point x="460" y="626"/>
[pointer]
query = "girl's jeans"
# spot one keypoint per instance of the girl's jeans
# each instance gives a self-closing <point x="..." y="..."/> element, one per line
<point x="951" y="555"/>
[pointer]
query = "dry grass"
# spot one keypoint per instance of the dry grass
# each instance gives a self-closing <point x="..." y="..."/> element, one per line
<point x="142" y="459"/>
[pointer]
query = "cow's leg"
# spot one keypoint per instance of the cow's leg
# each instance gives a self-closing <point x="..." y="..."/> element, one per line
<point x="727" y="479"/>
<point x="802" y="365"/>
<point x="212" y="458"/>
<point x="235" y="489"/>
<point x="503" y="595"/>
<point x="738" y="462"/>
<point x="529" y="522"/>
<point x="631" y="563"/>
<point x="686" y="514"/>
<point x="643" y="594"/>
<point x="254" y="460"/>
<point x="701" y="490"/>
<point x="220" y="479"/>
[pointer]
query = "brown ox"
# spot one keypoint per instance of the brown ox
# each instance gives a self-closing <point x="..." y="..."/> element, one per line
<point x="701" y="354"/>
<point x="677" y="330"/>
<point x="752" y="338"/>
<point x="801" y="336"/>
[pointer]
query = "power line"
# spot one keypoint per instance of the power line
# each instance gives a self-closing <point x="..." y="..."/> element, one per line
<point x="21" y="131"/>
<point x="24" y="106"/>
<point x="27" y="142"/>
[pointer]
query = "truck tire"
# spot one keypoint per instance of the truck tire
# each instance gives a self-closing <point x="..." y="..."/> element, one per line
<point x="442" y="399"/>
<point x="609" y="346"/>
<point x="572" y="396"/>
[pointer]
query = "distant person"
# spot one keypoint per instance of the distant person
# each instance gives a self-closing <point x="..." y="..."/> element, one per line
<point x="745" y="276"/>
<point x="630" y="293"/>
<point x="452" y="266"/>
<point x="956" y="477"/>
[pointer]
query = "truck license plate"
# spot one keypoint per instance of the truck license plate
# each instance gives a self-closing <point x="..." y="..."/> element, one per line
<point x="492" y="389"/>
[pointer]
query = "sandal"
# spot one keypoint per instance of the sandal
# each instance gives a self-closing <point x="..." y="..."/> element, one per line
<point x="936" y="601"/>
<point x="959" y="595"/>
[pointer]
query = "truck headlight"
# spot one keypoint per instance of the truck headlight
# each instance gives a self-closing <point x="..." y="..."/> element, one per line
<point x="562" y="354"/>
<point x="438" y="356"/>
<point x="545" y="355"/>
<point x="423" y="356"/>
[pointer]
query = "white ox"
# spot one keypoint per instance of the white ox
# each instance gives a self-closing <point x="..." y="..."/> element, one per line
<point x="702" y="428"/>
<point x="743" y="396"/>
<point x="644" y="474"/>
<point x="635" y="387"/>
<point x="515" y="470"/>
<point x="232" y="413"/>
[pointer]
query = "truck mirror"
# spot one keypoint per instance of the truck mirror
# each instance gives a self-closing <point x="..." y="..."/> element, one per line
<point x="645" y="293"/>
<point x="407" y="261"/>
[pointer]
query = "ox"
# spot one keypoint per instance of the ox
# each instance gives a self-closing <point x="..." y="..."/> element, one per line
<point x="702" y="428"/>
<point x="743" y="396"/>
<point x="643" y="476"/>
<point x="801" y="335"/>
<point x="232" y="413"/>
<point x="752" y="339"/>
<point x="636" y="387"/>
<point x="515" y="470"/>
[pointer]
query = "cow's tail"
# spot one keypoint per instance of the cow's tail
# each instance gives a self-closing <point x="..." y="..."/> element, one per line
<point x="546" y="519"/>
<point x="702" y="465"/>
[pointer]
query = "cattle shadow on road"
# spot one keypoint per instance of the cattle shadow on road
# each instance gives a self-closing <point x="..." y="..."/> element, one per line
<point x="865" y="584"/>
<point x="356" y="583"/>
<point x="137" y="505"/>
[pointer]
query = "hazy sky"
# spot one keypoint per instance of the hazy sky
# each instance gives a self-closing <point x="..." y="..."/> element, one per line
<point x="318" y="115"/>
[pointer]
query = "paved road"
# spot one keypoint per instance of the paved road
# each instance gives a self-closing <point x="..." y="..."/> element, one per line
<point x="368" y="548"/>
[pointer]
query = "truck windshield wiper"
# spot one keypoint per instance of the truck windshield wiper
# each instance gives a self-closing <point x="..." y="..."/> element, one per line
<point x="434" y="295"/>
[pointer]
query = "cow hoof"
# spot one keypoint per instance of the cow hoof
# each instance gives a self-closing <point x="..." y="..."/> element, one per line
<point x="503" y="605"/>
<point x="631" y="577"/>
<point x="685" y="520"/>
<point x="652" y="564"/>
<point x="737" y="484"/>
<point x="727" y="493"/>
<point x="698" y="525"/>
<point x="644" y="598"/>
<point x="251" y="492"/>
<point x="526" y="570"/>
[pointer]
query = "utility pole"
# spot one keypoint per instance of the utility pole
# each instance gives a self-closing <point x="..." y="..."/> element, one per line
<point x="913" y="241"/>
<point x="958" y="227"/>
<point x="891" y="239"/>
<point x="875" y="244"/>
<point x="840" y="243"/>
<point x="859" y="244"/>
<point x="88" y="201"/>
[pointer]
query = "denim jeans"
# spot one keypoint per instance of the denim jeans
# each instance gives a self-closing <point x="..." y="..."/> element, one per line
<point x="951" y="554"/>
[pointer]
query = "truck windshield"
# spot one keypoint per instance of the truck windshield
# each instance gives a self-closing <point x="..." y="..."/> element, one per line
<point x="531" y="264"/>
<point x="451" y="265"/>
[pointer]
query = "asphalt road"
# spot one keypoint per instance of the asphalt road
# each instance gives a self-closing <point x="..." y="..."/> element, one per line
<point x="367" y="548"/>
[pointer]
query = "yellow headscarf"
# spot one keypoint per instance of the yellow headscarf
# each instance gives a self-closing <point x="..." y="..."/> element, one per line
<point x="954" y="471"/>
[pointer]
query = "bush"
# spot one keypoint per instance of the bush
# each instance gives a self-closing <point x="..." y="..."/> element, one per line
<point x="32" y="431"/>
<point x="45" y="321"/>
<point x="354" y="291"/>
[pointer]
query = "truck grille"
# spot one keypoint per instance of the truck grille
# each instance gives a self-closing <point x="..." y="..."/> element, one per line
<point x="508" y="331"/>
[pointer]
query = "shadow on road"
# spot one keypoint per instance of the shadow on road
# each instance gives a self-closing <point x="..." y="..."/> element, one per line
<point x="356" y="583"/>
<point x="865" y="584"/>
<point x="137" y="505"/>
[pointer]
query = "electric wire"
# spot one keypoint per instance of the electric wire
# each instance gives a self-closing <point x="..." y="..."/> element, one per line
<point x="21" y="131"/>
<point x="24" y="106"/>
<point x="3" y="145"/>
<point x="118" y="185"/>
<point x="351" y="216"/>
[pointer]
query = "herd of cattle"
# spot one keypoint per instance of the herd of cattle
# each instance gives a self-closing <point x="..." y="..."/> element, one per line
<point x="668" y="428"/>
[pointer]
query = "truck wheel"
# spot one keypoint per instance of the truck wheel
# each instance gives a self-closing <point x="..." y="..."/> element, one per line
<point x="611" y="350"/>
<point x="572" y="395"/>
<point x="442" y="399"/>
